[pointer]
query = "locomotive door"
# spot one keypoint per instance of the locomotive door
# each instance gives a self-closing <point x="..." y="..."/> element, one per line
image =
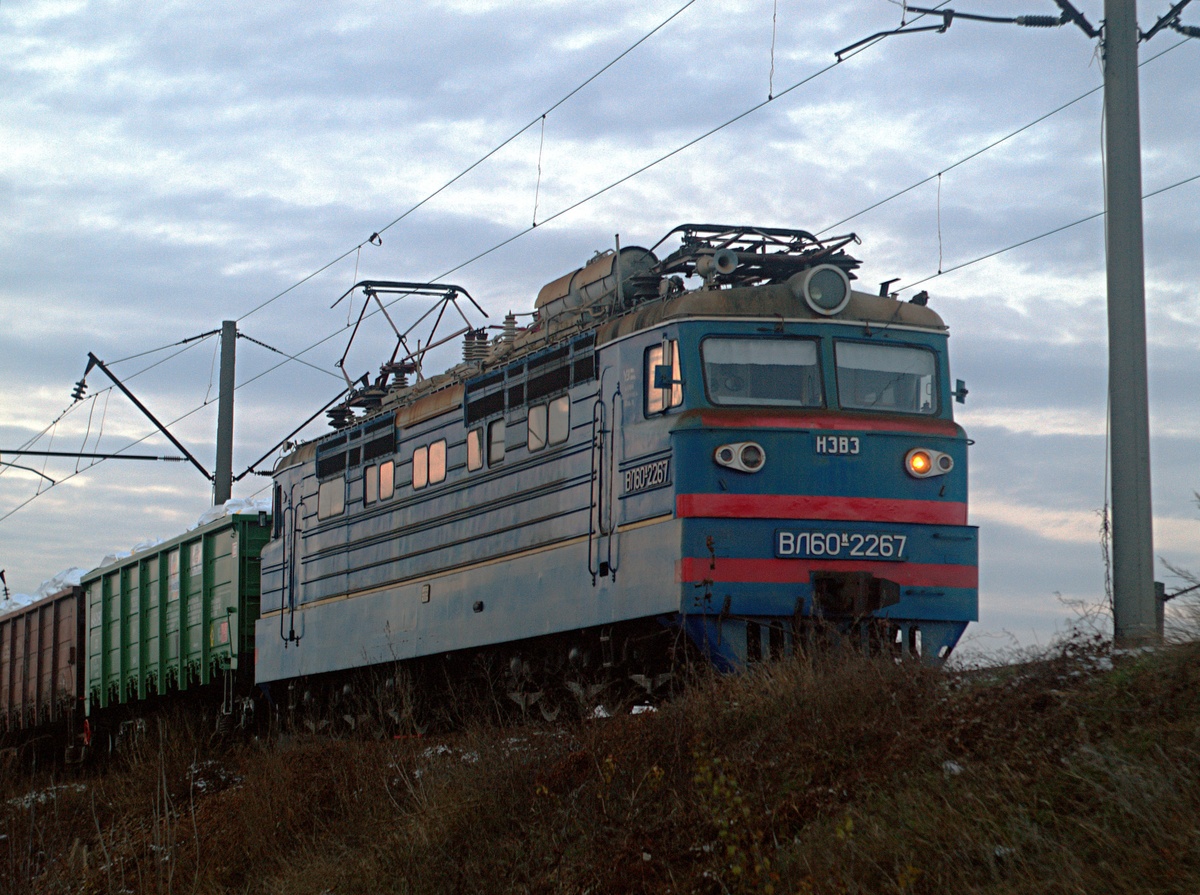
<point x="603" y="547"/>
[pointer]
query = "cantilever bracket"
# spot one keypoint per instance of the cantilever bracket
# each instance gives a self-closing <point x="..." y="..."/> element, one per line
<point x="1069" y="14"/>
<point x="1170" y="19"/>
<point x="947" y="17"/>
<point x="94" y="361"/>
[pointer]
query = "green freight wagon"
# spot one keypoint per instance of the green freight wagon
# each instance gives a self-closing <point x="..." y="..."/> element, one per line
<point x="178" y="616"/>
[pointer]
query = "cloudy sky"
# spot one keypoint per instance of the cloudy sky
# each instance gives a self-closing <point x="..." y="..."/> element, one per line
<point x="166" y="166"/>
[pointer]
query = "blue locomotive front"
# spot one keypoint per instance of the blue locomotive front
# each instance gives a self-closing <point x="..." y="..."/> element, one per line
<point x="753" y="465"/>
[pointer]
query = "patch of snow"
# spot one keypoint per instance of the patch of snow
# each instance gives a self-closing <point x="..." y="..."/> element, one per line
<point x="601" y="712"/>
<point x="67" y="578"/>
<point x="642" y="709"/>
<point x="211" y="775"/>
<point x="43" y="796"/>
<point x="64" y="579"/>
<point x="235" y="506"/>
<point x="17" y="601"/>
<point x="951" y="768"/>
<point x="114" y="558"/>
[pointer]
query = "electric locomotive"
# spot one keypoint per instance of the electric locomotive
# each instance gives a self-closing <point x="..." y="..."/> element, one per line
<point x="727" y="449"/>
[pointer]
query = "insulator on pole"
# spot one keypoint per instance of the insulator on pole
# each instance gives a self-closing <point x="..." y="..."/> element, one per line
<point x="1039" y="21"/>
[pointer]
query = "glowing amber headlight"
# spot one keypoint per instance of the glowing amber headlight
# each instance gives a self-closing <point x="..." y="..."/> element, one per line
<point x="922" y="463"/>
<point x="919" y="462"/>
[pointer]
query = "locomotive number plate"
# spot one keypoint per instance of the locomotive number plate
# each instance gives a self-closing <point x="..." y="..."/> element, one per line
<point x="793" y="544"/>
<point x="838" y="444"/>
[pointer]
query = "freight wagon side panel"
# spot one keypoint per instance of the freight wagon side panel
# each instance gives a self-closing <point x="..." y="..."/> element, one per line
<point x="68" y="676"/>
<point x="6" y="700"/>
<point x="39" y="652"/>
<point x="170" y="619"/>
<point x="32" y="639"/>
<point x="19" y="664"/>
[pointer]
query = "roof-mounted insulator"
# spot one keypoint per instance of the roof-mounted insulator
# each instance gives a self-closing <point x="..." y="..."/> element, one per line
<point x="475" y="345"/>
<point x="340" y="416"/>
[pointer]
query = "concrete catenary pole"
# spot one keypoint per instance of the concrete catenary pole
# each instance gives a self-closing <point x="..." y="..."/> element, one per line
<point x="223" y="473"/>
<point x="1135" y="613"/>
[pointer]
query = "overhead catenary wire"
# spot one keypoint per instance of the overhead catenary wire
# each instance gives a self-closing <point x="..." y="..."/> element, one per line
<point x="459" y="176"/>
<point x="496" y="247"/>
<point x="563" y="211"/>
<point x="188" y="340"/>
<point x="1024" y="242"/>
<point x="374" y="239"/>
<point x="290" y="357"/>
<point x="988" y="147"/>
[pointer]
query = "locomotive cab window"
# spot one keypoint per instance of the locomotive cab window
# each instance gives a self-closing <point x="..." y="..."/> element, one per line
<point x="331" y="498"/>
<point x="769" y="372"/>
<point x="662" y="396"/>
<point x="887" y="378"/>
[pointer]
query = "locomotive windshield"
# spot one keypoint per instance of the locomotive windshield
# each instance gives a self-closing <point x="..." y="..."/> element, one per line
<point x="781" y="372"/>
<point x="890" y="378"/>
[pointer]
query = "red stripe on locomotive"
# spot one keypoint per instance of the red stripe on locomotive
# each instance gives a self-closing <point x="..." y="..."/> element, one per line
<point x="820" y="507"/>
<point x="784" y="571"/>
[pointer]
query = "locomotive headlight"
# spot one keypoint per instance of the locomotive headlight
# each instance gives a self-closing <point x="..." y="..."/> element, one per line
<point x="922" y="463"/>
<point x="824" y="288"/>
<point x="752" y="457"/>
<point x="919" y="463"/>
<point x="744" y="456"/>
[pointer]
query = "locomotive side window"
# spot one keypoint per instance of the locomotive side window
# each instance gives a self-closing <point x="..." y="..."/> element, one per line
<point x="660" y="399"/>
<point x="536" y="426"/>
<point x="549" y="423"/>
<point x="437" y="461"/>
<point x="429" y="464"/>
<point x="495" y="442"/>
<point x="379" y="482"/>
<point x="764" y="372"/>
<point x="420" y="468"/>
<point x="474" y="450"/>
<point x="888" y="378"/>
<point x="331" y="498"/>
<point x="560" y="420"/>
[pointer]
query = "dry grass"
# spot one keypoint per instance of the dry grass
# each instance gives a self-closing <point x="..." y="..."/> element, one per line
<point x="836" y="776"/>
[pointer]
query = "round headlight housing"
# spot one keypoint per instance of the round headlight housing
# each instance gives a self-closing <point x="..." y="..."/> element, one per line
<point x="752" y="457"/>
<point x="923" y="463"/>
<point x="744" y="456"/>
<point x="824" y="288"/>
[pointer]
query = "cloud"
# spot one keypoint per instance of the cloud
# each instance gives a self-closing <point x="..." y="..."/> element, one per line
<point x="169" y="167"/>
